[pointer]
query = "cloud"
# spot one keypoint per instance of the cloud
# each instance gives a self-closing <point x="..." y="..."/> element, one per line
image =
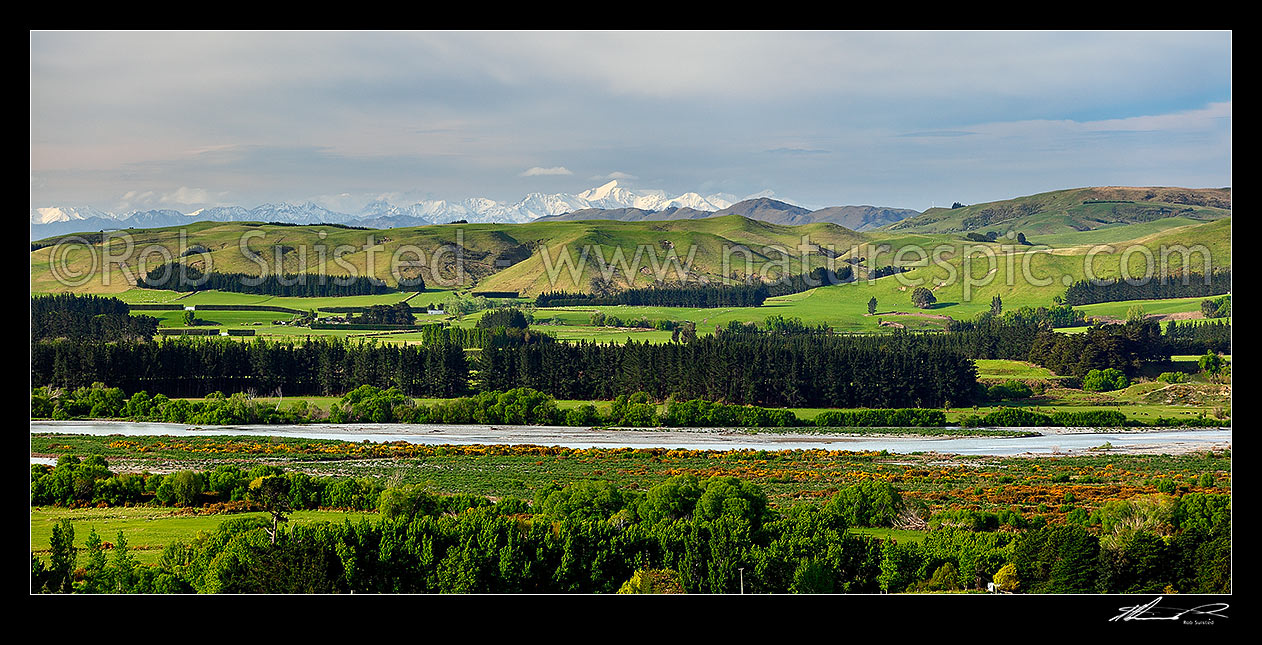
<point x="538" y="172"/>
<point x="186" y="195"/>
<point x="797" y="151"/>
<point x="617" y="174"/>
<point x="137" y="196"/>
<point x="938" y="133"/>
<point x="1213" y="117"/>
<point x="462" y="113"/>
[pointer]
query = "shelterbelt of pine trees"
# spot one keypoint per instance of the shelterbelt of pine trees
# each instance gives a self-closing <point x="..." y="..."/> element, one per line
<point x="897" y="370"/>
<point x="697" y="295"/>
<point x="193" y="367"/>
<point x="479" y="338"/>
<point x="1123" y="347"/>
<point x="1191" y="285"/>
<point x="181" y="277"/>
<point x="1198" y="336"/>
<point x="786" y="365"/>
<point x="86" y="318"/>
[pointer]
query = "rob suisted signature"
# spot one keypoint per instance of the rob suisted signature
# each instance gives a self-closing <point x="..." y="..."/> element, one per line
<point x="1150" y="611"/>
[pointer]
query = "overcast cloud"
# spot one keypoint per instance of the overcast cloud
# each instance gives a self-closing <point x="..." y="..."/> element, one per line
<point x="191" y="119"/>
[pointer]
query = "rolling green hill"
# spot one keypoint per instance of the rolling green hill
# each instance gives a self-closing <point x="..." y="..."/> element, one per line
<point x="496" y="257"/>
<point x="1078" y="209"/>
<point x="549" y="255"/>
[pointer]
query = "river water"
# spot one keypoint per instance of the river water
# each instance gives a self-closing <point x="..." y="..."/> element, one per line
<point x="1051" y="441"/>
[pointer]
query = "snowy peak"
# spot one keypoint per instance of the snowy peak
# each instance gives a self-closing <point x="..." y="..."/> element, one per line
<point x="382" y="213"/>
<point x="53" y="214"/>
<point x="602" y="192"/>
<point x="614" y="195"/>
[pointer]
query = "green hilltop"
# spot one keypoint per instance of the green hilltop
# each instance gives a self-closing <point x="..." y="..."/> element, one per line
<point x="1076" y="210"/>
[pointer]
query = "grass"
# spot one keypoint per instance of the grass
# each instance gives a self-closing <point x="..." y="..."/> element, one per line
<point x="1060" y="216"/>
<point x="897" y="535"/>
<point x="1165" y="306"/>
<point x="1021" y="276"/>
<point x="147" y="529"/>
<point x="988" y="370"/>
<point x="1142" y="402"/>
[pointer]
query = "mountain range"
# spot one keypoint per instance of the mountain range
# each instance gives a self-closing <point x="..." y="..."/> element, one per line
<point x="380" y="213"/>
<point x="857" y="218"/>
<point x="610" y="201"/>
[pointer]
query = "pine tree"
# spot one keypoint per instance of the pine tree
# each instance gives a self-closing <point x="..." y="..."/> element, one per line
<point x="94" y="570"/>
<point x="62" y="561"/>
<point x="123" y="568"/>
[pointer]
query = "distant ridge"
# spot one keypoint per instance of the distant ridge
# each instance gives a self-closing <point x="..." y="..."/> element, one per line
<point x="1075" y="209"/>
<point x="765" y="209"/>
<point x="380" y="213"/>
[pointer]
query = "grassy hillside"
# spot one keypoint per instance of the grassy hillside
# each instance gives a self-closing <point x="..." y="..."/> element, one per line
<point x="1079" y="209"/>
<point x="514" y="253"/>
<point x="544" y="256"/>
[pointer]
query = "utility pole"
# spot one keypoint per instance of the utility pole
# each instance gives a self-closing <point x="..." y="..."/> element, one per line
<point x="742" y="570"/>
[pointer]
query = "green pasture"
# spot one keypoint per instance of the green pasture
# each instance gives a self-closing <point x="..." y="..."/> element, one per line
<point x="148" y="529"/>
<point x="1113" y="233"/>
<point x="963" y="275"/>
<point x="1064" y="212"/>
<point x="988" y="370"/>
<point x="1120" y="308"/>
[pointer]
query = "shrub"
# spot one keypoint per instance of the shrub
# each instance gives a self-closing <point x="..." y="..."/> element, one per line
<point x="868" y="503"/>
<point x="1009" y="391"/>
<point x="897" y="417"/>
<point x="1104" y="380"/>
<point x="923" y="298"/>
<point x="510" y="317"/>
<point x="1015" y="418"/>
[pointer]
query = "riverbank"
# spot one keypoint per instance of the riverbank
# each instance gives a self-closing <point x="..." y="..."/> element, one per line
<point x="1047" y="441"/>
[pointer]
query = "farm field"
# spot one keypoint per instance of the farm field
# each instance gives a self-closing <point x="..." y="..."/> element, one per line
<point x="1150" y="307"/>
<point x="149" y="529"/>
<point x="988" y="369"/>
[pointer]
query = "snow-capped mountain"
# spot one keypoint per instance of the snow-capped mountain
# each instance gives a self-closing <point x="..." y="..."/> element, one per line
<point x="611" y="195"/>
<point x="46" y="222"/>
<point x="53" y="214"/>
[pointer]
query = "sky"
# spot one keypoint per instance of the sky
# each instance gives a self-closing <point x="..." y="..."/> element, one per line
<point x="125" y="121"/>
